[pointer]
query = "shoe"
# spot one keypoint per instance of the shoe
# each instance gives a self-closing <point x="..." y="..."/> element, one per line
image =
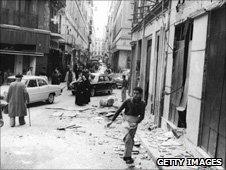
<point x="12" y="121"/>
<point x="22" y="121"/>
<point x="126" y="158"/>
<point x="130" y="161"/>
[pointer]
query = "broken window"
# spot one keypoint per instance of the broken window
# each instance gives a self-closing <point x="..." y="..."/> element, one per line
<point x="180" y="73"/>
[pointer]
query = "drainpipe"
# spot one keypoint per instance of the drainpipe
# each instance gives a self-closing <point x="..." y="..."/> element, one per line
<point x="166" y="59"/>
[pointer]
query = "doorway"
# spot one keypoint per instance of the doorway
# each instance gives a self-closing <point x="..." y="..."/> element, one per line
<point x="147" y="72"/>
<point x="213" y="120"/>
<point x="180" y="73"/>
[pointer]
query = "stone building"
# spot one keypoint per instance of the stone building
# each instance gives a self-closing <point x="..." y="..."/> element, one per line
<point x="25" y="35"/>
<point x="178" y="57"/>
<point x="44" y="34"/>
<point x="119" y="37"/>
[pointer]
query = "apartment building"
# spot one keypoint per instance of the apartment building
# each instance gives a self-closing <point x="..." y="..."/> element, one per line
<point x="178" y="57"/>
<point x="25" y="34"/>
<point x="119" y="27"/>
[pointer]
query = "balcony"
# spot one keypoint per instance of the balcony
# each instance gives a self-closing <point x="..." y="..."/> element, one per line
<point x="18" y="18"/>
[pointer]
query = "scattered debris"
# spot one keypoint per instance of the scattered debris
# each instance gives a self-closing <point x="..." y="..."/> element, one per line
<point x="171" y="143"/>
<point x="178" y="132"/>
<point x="152" y="127"/>
<point x="82" y="110"/>
<point x="107" y="102"/>
<point x="110" y="115"/>
<point x="69" y="127"/>
<point x="169" y="134"/>
<point x="59" y="108"/>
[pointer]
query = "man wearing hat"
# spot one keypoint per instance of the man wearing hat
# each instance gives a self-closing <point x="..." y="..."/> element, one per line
<point x="17" y="99"/>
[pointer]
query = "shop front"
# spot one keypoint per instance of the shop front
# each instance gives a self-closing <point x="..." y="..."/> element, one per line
<point x="20" y="48"/>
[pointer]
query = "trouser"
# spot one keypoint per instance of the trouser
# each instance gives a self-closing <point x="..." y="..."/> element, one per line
<point x="130" y="131"/>
<point x="129" y="142"/>
<point x="21" y="121"/>
<point x="123" y="94"/>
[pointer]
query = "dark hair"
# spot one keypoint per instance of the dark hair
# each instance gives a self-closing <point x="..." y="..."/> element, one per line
<point x="139" y="89"/>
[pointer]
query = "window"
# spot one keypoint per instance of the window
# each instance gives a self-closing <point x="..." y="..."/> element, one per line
<point x="32" y="83"/>
<point x="106" y="78"/>
<point x="101" y="78"/>
<point x="41" y="82"/>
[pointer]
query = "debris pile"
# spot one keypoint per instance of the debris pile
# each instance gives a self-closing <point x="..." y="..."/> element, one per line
<point x="107" y="102"/>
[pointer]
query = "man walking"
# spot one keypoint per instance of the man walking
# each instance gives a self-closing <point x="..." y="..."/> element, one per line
<point x="124" y="88"/>
<point x="17" y="99"/>
<point x="133" y="115"/>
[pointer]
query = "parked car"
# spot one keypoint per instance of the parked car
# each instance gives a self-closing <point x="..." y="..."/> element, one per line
<point x="117" y="78"/>
<point x="100" y="83"/>
<point x="37" y="87"/>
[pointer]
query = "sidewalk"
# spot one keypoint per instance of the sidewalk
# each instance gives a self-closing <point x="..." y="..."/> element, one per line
<point x="163" y="144"/>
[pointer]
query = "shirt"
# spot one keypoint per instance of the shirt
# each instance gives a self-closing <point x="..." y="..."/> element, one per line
<point x="132" y="108"/>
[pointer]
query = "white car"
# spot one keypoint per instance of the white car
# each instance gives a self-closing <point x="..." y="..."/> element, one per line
<point x="37" y="87"/>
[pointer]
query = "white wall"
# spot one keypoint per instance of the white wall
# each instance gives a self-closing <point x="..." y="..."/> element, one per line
<point x="196" y="78"/>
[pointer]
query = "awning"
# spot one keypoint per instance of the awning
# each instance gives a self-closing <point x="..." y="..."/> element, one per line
<point x="21" y="53"/>
<point x="57" y="37"/>
<point x="19" y="35"/>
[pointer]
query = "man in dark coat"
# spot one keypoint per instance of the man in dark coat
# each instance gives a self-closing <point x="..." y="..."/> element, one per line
<point x="17" y="99"/>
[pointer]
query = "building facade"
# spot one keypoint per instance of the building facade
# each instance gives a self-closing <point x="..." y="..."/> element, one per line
<point x="119" y="37"/>
<point x="76" y="29"/>
<point x="178" y="58"/>
<point x="25" y="34"/>
<point x="44" y="34"/>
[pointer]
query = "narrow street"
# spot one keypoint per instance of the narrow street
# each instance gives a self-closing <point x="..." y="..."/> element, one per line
<point x="89" y="145"/>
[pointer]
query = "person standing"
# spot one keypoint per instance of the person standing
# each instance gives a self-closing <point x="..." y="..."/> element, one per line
<point x="70" y="76"/>
<point x="29" y="72"/>
<point x="17" y="99"/>
<point x="56" y="77"/>
<point x="124" y="88"/>
<point x="80" y="89"/>
<point x="87" y="88"/>
<point x="6" y="75"/>
<point x="133" y="115"/>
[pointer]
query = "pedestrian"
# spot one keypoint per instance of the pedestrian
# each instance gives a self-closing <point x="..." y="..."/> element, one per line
<point x="133" y="115"/>
<point x="124" y="88"/>
<point x="56" y="77"/>
<point x="6" y="75"/>
<point x="87" y="88"/>
<point x="80" y="90"/>
<point x="70" y="76"/>
<point x="29" y="71"/>
<point x="17" y="99"/>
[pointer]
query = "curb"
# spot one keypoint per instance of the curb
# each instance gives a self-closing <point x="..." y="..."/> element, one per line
<point x="154" y="159"/>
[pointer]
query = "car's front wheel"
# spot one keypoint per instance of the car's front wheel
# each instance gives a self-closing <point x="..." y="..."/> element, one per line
<point x="92" y="92"/>
<point x="50" y="99"/>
